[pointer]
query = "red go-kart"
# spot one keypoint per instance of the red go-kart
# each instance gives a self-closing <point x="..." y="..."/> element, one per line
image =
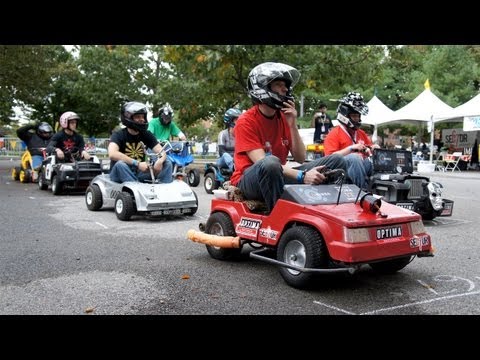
<point x="315" y="229"/>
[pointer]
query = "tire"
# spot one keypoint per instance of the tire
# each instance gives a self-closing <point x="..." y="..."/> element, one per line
<point x="220" y="224"/>
<point x="209" y="183"/>
<point x="25" y="176"/>
<point x="16" y="173"/>
<point x="429" y="216"/>
<point x="93" y="198"/>
<point x="42" y="185"/>
<point x="193" y="177"/>
<point x="390" y="266"/>
<point x="301" y="246"/>
<point x="56" y="185"/>
<point x="124" y="206"/>
<point x="194" y="210"/>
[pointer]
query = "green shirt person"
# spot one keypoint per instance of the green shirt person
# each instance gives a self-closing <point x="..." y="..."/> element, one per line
<point x="163" y="127"/>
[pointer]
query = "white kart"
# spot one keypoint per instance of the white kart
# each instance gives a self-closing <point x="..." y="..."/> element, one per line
<point x="132" y="197"/>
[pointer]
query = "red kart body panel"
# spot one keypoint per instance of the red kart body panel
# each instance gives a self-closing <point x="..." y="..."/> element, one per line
<point x="377" y="237"/>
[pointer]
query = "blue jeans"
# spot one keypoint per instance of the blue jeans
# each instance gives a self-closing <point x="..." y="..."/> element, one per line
<point x="264" y="180"/>
<point x="359" y="170"/>
<point x="225" y="161"/>
<point x="36" y="161"/>
<point x="122" y="172"/>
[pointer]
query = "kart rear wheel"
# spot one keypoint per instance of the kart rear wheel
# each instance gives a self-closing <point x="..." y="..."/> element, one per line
<point x="220" y="224"/>
<point x="304" y="247"/>
<point x="93" y="198"/>
<point x="16" y="173"/>
<point x="209" y="183"/>
<point x="25" y="175"/>
<point x="56" y="185"/>
<point x="193" y="177"/>
<point x="391" y="266"/>
<point x="124" y="206"/>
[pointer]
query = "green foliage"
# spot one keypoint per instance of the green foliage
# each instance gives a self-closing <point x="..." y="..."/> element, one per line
<point x="201" y="81"/>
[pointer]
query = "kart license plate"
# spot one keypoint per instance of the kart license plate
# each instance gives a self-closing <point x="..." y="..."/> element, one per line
<point x="408" y="206"/>
<point x="389" y="233"/>
<point x="448" y="209"/>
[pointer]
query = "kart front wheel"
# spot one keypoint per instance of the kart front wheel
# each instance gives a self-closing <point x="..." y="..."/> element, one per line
<point x="124" y="206"/>
<point x="391" y="266"/>
<point x="209" y="183"/>
<point x="42" y="185"/>
<point x="93" y="198"/>
<point x="304" y="247"/>
<point x="193" y="177"/>
<point x="56" y="185"/>
<point x="220" y="224"/>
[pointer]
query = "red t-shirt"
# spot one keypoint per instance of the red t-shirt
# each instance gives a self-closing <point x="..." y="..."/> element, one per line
<point x="338" y="139"/>
<point x="255" y="131"/>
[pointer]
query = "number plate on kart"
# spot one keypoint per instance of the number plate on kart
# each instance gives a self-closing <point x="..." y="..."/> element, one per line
<point x="389" y="233"/>
<point x="408" y="206"/>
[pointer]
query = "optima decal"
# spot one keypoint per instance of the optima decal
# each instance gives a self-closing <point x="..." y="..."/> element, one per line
<point x="388" y="233"/>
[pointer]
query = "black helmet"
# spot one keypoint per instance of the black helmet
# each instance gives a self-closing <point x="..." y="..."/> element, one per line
<point x="44" y="130"/>
<point x="351" y="103"/>
<point x="262" y="75"/>
<point x="133" y="108"/>
<point x="166" y="115"/>
<point x="231" y="115"/>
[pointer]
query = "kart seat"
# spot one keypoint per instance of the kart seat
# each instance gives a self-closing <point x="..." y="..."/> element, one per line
<point x="235" y="194"/>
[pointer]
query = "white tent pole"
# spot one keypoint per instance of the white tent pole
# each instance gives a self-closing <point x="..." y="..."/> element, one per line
<point x="432" y="135"/>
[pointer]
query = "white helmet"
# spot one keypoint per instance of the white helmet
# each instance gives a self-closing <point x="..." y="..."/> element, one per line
<point x="262" y="75"/>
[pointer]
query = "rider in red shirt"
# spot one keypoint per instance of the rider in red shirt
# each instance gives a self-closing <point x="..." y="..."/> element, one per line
<point x="267" y="132"/>
<point x="348" y="140"/>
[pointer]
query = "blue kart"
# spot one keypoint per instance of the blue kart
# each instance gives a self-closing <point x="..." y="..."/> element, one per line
<point x="181" y="156"/>
<point x="215" y="177"/>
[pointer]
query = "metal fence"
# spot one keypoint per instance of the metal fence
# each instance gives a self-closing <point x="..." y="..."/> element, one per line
<point x="13" y="146"/>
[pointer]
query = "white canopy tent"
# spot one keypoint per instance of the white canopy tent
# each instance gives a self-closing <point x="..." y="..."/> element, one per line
<point x="378" y="113"/>
<point x="424" y="108"/>
<point x="467" y="112"/>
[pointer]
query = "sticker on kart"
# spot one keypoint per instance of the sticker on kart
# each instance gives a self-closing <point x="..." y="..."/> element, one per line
<point x="408" y="206"/>
<point x="389" y="232"/>
<point x="248" y="227"/>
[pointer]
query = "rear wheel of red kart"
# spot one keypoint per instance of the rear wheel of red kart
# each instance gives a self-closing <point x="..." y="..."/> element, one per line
<point x="193" y="177"/>
<point x="124" y="206"/>
<point x="391" y="266"/>
<point x="304" y="247"/>
<point x="93" y="197"/>
<point x="220" y="224"/>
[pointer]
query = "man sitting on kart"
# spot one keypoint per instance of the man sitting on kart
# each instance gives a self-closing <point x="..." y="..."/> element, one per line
<point x="226" y="140"/>
<point x="163" y="127"/>
<point x="348" y="140"/>
<point x="36" y="141"/>
<point x="66" y="143"/>
<point x="126" y="149"/>
<point x="267" y="132"/>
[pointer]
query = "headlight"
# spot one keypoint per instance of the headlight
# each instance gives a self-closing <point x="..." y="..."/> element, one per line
<point x="66" y="167"/>
<point x="435" y="195"/>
